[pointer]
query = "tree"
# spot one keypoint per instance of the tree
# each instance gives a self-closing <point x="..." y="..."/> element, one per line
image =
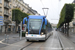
<point x="17" y="16"/>
<point x="66" y="16"/>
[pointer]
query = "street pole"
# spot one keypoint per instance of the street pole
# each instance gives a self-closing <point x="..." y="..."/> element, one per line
<point x="14" y="20"/>
<point x="21" y="31"/>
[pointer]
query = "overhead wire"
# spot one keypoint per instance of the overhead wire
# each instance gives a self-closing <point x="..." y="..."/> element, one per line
<point x="43" y="9"/>
<point x="42" y="3"/>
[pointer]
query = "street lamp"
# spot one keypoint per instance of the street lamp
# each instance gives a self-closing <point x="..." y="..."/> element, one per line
<point x="74" y="20"/>
<point x="45" y="13"/>
<point x="14" y="17"/>
<point x="14" y="11"/>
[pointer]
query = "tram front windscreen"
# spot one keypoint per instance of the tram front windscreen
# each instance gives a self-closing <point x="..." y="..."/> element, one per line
<point x="34" y="25"/>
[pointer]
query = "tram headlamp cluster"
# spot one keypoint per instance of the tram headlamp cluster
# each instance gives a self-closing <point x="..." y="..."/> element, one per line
<point x="42" y="33"/>
<point x="26" y="32"/>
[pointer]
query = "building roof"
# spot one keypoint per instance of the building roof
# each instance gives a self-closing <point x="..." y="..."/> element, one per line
<point x="73" y="1"/>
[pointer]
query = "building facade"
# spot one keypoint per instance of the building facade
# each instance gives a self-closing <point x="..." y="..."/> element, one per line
<point x="6" y="7"/>
<point x="23" y="7"/>
<point x="72" y="23"/>
<point x="5" y="10"/>
<point x="53" y="25"/>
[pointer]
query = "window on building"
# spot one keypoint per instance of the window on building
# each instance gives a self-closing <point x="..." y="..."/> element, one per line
<point x="28" y="12"/>
<point x="10" y="6"/>
<point x="19" y="0"/>
<point x="5" y="18"/>
<point x="10" y="18"/>
<point x="10" y="12"/>
<point x="0" y="1"/>
<point x="0" y="14"/>
<point x="0" y="9"/>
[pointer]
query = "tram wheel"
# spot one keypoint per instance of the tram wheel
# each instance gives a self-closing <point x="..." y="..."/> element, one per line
<point x="27" y="39"/>
<point x="42" y="40"/>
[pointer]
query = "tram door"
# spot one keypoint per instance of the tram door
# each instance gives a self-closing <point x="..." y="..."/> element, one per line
<point x="24" y="28"/>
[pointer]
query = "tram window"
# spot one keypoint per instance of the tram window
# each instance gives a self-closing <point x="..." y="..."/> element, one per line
<point x="35" y="24"/>
<point x="27" y="26"/>
<point x="44" y="26"/>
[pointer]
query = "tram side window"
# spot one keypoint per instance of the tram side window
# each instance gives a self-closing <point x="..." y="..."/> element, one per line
<point x="44" y="26"/>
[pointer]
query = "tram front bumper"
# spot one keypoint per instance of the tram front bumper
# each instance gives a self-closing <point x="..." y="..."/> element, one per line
<point x="35" y="37"/>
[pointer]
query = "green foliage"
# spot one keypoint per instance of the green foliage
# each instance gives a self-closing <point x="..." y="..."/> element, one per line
<point x="23" y="34"/>
<point x="48" y="24"/>
<point x="69" y="13"/>
<point x="66" y="14"/>
<point x="18" y="15"/>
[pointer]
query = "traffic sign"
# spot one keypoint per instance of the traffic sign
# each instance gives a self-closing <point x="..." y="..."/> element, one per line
<point x="1" y="20"/>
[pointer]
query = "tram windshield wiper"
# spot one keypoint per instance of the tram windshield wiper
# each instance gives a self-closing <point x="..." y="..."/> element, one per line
<point x="31" y="28"/>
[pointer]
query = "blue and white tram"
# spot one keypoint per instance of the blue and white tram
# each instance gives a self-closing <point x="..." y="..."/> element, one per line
<point x="36" y="27"/>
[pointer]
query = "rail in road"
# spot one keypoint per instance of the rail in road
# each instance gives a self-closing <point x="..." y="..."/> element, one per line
<point x="51" y="43"/>
<point x="55" y="42"/>
<point x="26" y="46"/>
<point x="66" y="43"/>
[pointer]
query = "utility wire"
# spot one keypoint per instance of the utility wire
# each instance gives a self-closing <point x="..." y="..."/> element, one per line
<point x="42" y="3"/>
<point x="44" y="8"/>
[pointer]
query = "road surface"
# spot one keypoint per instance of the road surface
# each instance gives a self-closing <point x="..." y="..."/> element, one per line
<point x="55" y="42"/>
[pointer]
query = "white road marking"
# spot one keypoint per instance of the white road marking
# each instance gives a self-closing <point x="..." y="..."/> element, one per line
<point x="2" y="40"/>
<point x="52" y="41"/>
<point x="6" y="43"/>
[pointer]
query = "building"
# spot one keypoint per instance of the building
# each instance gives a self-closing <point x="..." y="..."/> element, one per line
<point x="72" y="23"/>
<point x="53" y="25"/>
<point x="6" y="13"/>
<point x="23" y="7"/>
<point x="73" y="1"/>
<point x="6" y="7"/>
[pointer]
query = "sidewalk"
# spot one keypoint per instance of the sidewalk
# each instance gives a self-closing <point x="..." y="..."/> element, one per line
<point x="12" y="38"/>
<point x="66" y="43"/>
<point x="71" y="37"/>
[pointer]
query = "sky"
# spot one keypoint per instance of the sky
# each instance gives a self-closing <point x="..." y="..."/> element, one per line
<point x="54" y="6"/>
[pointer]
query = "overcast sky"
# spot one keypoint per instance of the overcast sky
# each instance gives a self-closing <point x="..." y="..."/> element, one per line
<point x="54" y="6"/>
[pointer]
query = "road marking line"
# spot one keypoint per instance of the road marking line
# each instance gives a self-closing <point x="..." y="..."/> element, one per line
<point x="8" y="44"/>
<point x="2" y="40"/>
<point x="52" y="41"/>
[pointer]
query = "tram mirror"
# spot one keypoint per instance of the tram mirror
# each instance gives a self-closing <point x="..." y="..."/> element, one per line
<point x="45" y="21"/>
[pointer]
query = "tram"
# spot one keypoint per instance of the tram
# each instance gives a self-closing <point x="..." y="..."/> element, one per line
<point x="38" y="28"/>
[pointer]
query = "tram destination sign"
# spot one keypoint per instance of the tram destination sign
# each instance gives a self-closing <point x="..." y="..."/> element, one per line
<point x="1" y="20"/>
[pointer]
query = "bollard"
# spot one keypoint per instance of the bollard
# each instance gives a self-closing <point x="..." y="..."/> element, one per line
<point x="20" y="34"/>
<point x="5" y="37"/>
<point x="8" y="37"/>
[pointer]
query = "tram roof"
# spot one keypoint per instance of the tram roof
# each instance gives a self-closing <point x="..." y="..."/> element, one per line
<point x="36" y="16"/>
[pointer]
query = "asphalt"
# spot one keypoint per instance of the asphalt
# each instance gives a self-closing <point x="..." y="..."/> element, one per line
<point x="52" y="43"/>
<point x="57" y="41"/>
<point x="67" y="44"/>
<point x="12" y="38"/>
<point x="72" y="37"/>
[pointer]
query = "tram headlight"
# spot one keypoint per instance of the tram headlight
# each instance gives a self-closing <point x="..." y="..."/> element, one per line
<point x="26" y="32"/>
<point x="42" y="33"/>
